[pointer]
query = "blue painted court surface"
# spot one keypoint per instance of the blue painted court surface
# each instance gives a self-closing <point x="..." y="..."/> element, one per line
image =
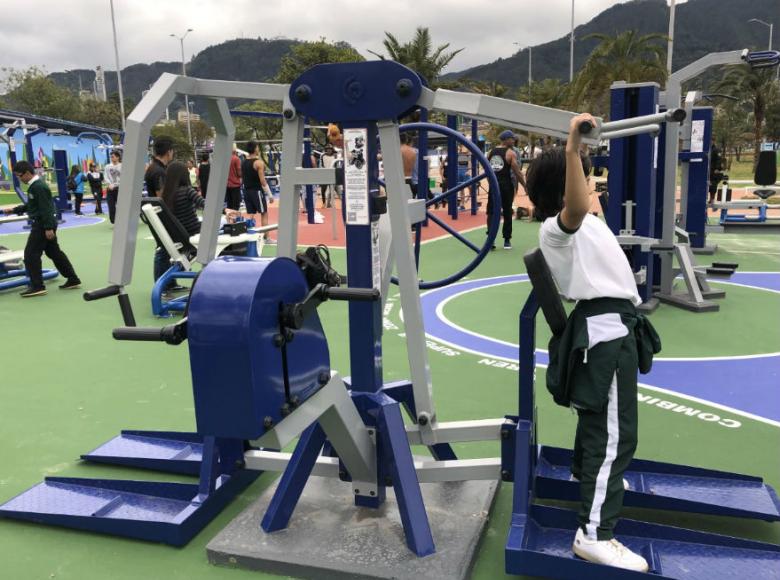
<point x="744" y="385"/>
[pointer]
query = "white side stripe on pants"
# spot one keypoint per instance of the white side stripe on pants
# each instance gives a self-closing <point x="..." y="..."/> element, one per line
<point x="613" y="433"/>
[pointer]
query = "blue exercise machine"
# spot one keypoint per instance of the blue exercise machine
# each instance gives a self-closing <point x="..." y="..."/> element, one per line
<point x="539" y="541"/>
<point x="642" y="186"/>
<point x="12" y="271"/>
<point x="181" y="247"/>
<point x="258" y="317"/>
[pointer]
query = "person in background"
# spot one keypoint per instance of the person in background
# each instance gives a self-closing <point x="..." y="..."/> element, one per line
<point x="181" y="198"/>
<point x="155" y="172"/>
<point x="503" y="160"/>
<point x="193" y="173"/>
<point x="233" y="190"/>
<point x="256" y="190"/>
<point x="204" y="170"/>
<point x="95" y="179"/>
<point x="409" y="159"/>
<point x="716" y="170"/>
<point x="327" y="160"/>
<point x="43" y="233"/>
<point x="75" y="183"/>
<point x="113" y="172"/>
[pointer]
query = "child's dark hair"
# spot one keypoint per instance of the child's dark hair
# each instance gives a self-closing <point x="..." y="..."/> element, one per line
<point x="546" y="181"/>
<point x="117" y="153"/>
<point x="22" y="167"/>
<point x="204" y="157"/>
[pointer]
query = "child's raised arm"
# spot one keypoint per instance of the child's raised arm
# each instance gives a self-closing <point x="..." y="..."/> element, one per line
<point x="576" y="198"/>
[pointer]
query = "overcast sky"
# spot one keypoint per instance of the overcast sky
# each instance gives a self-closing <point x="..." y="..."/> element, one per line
<point x="78" y="34"/>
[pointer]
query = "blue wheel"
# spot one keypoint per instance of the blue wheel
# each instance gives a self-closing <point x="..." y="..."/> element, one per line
<point x="493" y="193"/>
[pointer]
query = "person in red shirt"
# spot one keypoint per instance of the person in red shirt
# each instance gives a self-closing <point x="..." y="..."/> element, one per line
<point x="233" y="191"/>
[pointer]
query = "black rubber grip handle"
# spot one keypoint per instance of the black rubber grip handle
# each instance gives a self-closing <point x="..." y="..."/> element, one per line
<point x="90" y="295"/>
<point x="138" y="333"/>
<point x="585" y="127"/>
<point x="678" y="115"/>
<point x="359" y="294"/>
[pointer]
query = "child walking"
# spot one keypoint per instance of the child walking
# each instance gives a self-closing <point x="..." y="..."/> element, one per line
<point x="43" y="233"/>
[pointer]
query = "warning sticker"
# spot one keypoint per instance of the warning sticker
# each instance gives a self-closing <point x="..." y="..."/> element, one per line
<point x="356" y="176"/>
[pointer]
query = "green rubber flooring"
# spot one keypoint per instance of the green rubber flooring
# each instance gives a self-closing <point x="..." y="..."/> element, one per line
<point x="66" y="387"/>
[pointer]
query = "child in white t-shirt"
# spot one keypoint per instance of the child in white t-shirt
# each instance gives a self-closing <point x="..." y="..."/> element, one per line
<point x="594" y="362"/>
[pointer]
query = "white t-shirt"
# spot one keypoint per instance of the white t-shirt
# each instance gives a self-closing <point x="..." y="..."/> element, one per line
<point x="588" y="263"/>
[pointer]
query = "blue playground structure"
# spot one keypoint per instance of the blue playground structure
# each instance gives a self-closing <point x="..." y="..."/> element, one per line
<point x="262" y="375"/>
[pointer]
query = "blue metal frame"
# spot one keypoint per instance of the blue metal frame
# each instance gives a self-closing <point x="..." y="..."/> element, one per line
<point x="633" y="178"/>
<point x="17" y="278"/>
<point x="163" y="308"/>
<point x="454" y="138"/>
<point x="698" y="181"/>
<point x="540" y="537"/>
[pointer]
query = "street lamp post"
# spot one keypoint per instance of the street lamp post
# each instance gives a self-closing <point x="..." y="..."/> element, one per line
<point x="571" y="45"/>
<point x="530" y="78"/>
<point x="118" y="68"/>
<point x="771" y="29"/>
<point x="186" y="97"/>
<point x="670" y="42"/>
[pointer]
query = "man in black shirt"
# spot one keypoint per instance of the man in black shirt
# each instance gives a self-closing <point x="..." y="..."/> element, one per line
<point x="503" y="160"/>
<point x="155" y="182"/>
<point x="154" y="178"/>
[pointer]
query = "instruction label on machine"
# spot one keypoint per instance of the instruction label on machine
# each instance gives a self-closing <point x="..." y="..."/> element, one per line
<point x="697" y="136"/>
<point x="356" y="177"/>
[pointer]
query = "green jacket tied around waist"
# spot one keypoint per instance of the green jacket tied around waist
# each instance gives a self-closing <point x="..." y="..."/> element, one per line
<point x="580" y="373"/>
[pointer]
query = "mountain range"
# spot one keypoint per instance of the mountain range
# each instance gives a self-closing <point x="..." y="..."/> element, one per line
<point x="702" y="26"/>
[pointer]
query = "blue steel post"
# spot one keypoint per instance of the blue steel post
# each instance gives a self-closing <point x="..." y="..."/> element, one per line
<point x="632" y="176"/>
<point x="452" y="167"/>
<point x="365" y="318"/>
<point x="61" y="175"/>
<point x="474" y="186"/>
<point x="422" y="159"/>
<point x="698" y="181"/>
<point x="307" y="163"/>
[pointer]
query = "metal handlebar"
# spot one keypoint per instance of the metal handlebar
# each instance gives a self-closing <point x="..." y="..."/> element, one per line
<point x="171" y="334"/>
<point x="357" y="294"/>
<point x="91" y="295"/>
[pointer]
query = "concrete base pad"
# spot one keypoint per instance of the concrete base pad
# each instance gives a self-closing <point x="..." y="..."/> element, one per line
<point x="330" y="538"/>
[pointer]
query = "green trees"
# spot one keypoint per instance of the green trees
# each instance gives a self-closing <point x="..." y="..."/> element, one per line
<point x="32" y="91"/>
<point x="757" y="92"/>
<point x="307" y="54"/>
<point x="419" y="54"/>
<point x="627" y="56"/>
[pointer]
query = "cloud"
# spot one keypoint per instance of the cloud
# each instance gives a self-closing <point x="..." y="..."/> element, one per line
<point x="78" y="34"/>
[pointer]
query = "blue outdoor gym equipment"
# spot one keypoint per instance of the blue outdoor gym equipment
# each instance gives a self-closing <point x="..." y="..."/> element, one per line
<point x="12" y="271"/>
<point x="540" y="537"/>
<point x="262" y="375"/>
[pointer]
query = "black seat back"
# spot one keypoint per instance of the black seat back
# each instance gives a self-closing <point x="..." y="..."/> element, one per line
<point x="171" y="224"/>
<point x="766" y="168"/>
<point x="546" y="290"/>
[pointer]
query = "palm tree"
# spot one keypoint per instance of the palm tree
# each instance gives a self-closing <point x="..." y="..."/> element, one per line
<point x="757" y="88"/>
<point x="624" y="57"/>
<point x="418" y="54"/>
<point x="548" y="93"/>
<point x="491" y="88"/>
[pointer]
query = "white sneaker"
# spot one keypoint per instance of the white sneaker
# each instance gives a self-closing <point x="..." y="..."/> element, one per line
<point x="608" y="552"/>
<point x="626" y="485"/>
